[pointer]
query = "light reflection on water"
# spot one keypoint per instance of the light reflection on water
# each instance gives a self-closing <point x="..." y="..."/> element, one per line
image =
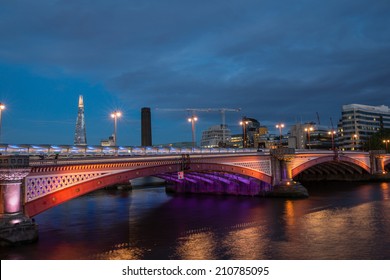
<point x="247" y="243"/>
<point x="198" y="246"/>
<point x="385" y="191"/>
<point x="344" y="221"/>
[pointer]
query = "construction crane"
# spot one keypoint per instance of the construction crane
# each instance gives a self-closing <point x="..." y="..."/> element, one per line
<point x="318" y="118"/>
<point x="193" y="110"/>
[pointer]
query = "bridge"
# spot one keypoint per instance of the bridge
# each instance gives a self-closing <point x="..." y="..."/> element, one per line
<point x="31" y="184"/>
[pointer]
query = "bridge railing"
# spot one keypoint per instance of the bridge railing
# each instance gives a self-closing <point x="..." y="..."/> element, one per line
<point x="316" y="151"/>
<point x="72" y="151"/>
<point x="69" y="151"/>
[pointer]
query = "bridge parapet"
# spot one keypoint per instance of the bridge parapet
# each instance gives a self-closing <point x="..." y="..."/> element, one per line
<point x="14" y="161"/>
<point x="283" y="153"/>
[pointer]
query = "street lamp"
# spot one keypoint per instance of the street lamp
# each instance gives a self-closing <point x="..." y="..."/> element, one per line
<point x="332" y="133"/>
<point x="308" y="129"/>
<point x="192" y="120"/>
<point x="115" y="115"/>
<point x="244" y="123"/>
<point x="280" y="126"/>
<point x="2" y="107"/>
<point x="386" y="142"/>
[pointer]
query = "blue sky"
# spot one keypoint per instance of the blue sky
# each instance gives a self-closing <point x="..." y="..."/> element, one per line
<point x="279" y="61"/>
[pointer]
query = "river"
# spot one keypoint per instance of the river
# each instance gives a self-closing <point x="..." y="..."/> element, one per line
<point x="338" y="221"/>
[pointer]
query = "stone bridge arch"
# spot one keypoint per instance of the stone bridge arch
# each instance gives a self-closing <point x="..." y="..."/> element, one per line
<point x="52" y="199"/>
<point x="332" y="165"/>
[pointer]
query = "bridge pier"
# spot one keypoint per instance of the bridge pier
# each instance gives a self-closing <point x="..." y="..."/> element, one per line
<point x="377" y="158"/>
<point x="283" y="183"/>
<point x="286" y="170"/>
<point x="15" y="226"/>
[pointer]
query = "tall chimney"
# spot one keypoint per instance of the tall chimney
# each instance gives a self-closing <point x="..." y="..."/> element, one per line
<point x="146" y="127"/>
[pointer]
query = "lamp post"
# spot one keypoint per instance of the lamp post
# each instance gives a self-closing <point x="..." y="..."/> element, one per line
<point x="308" y="129"/>
<point x="2" y="107"/>
<point x="386" y="143"/>
<point x="192" y="120"/>
<point x="115" y="115"/>
<point x="280" y="126"/>
<point x="244" y="123"/>
<point x="332" y="133"/>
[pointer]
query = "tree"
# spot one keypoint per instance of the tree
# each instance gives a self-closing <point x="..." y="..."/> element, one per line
<point x="375" y="142"/>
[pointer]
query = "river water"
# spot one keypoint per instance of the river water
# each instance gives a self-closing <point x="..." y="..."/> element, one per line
<point x="338" y="221"/>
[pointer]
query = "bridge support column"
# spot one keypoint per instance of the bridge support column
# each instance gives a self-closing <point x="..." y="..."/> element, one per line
<point x="380" y="162"/>
<point x="377" y="162"/>
<point x="15" y="227"/>
<point x="284" y="185"/>
<point x="286" y="171"/>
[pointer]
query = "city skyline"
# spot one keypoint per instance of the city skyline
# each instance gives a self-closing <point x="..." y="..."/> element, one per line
<point x="277" y="62"/>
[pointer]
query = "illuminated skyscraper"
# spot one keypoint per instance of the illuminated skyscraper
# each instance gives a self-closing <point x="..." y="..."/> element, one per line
<point x="80" y="136"/>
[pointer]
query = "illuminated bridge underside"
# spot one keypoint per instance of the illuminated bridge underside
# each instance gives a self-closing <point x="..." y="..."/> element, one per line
<point x="50" y="186"/>
<point x="217" y="183"/>
<point x="330" y="168"/>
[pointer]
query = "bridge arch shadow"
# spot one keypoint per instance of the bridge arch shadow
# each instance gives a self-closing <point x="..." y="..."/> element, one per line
<point x="197" y="172"/>
<point x="331" y="168"/>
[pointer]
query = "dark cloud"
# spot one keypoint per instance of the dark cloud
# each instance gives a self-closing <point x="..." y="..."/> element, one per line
<point x="277" y="60"/>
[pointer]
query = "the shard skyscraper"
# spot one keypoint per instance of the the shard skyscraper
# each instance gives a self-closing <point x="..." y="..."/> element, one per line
<point x="80" y="136"/>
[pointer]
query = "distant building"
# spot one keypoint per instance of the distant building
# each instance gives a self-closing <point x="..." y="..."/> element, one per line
<point x="262" y="130"/>
<point x="80" y="136"/>
<point x="216" y="136"/>
<point x="177" y="145"/>
<point x="146" y="127"/>
<point x="262" y="139"/>
<point x="358" y="122"/>
<point x="298" y="137"/>
<point x="269" y="141"/>
<point x="108" y="142"/>
<point x="310" y="136"/>
<point x="236" y="141"/>
<point x="250" y="127"/>
<point x="250" y="130"/>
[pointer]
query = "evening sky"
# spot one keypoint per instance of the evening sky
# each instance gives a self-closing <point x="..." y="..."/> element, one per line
<point x="277" y="60"/>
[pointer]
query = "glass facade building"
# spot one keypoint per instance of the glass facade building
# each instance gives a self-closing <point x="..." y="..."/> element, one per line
<point x="80" y="135"/>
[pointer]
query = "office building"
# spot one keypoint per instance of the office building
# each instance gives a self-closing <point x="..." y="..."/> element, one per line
<point x="358" y="122"/>
<point x="311" y="136"/>
<point x="216" y="136"/>
<point x="250" y="127"/>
